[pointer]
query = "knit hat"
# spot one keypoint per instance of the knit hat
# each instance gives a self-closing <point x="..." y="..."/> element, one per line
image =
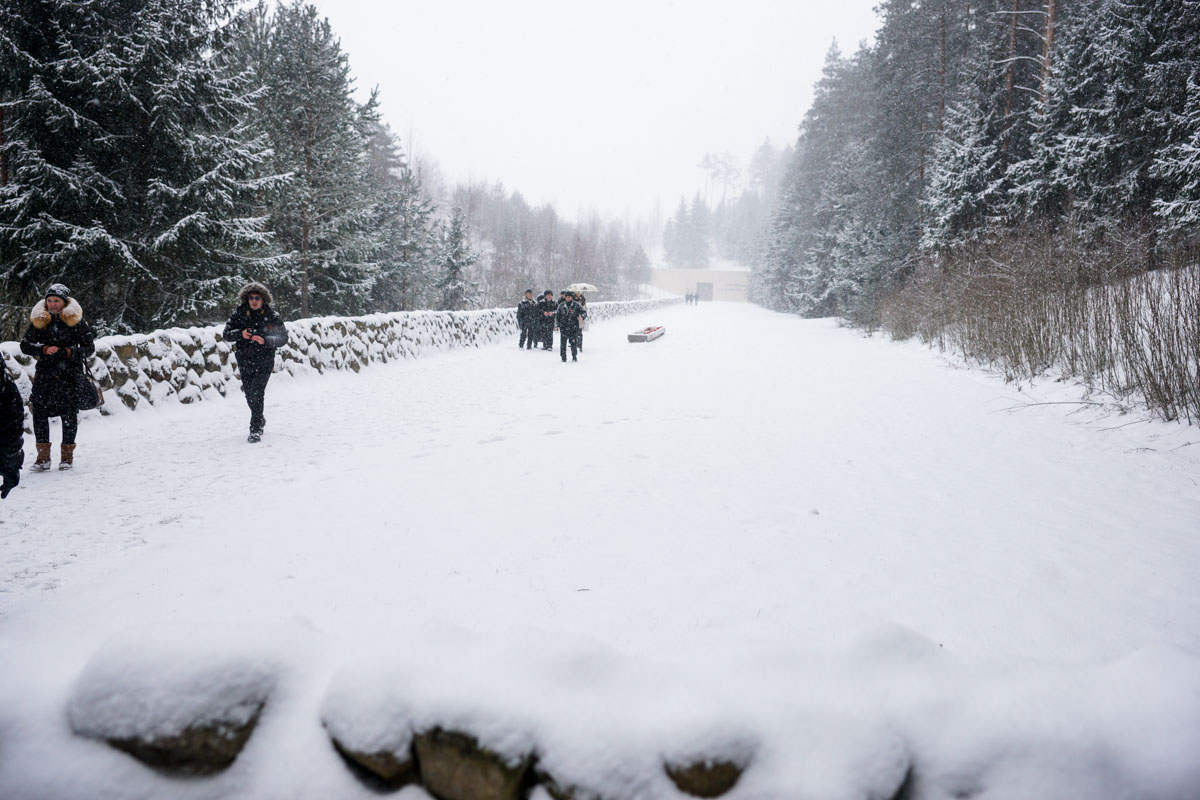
<point x="58" y="290"/>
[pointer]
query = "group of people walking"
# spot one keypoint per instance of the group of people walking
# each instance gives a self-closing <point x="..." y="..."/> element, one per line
<point x="538" y="318"/>
<point x="692" y="299"/>
<point x="62" y="341"/>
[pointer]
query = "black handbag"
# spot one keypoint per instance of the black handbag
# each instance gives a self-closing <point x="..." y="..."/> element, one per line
<point x="88" y="391"/>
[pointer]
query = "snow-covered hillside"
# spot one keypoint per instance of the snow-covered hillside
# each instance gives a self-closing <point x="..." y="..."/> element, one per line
<point x="841" y="562"/>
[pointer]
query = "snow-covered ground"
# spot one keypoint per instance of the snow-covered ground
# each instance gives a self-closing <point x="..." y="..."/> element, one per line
<point x="838" y="556"/>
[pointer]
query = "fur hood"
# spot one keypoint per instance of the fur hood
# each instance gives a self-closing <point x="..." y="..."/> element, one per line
<point x="254" y="287"/>
<point x="71" y="315"/>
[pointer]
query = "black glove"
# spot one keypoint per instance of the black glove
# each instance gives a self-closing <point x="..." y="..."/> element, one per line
<point x="10" y="470"/>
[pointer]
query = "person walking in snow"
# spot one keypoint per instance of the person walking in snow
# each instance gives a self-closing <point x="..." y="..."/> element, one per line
<point x="583" y="325"/>
<point x="12" y="432"/>
<point x="257" y="331"/>
<point x="544" y="314"/>
<point x="525" y="319"/>
<point x="569" y="316"/>
<point x="60" y="340"/>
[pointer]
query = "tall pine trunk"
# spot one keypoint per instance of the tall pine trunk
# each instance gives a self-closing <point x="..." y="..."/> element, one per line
<point x="1012" y="61"/>
<point x="306" y="224"/>
<point x="1048" y="47"/>
<point x="941" y="80"/>
<point x="3" y="158"/>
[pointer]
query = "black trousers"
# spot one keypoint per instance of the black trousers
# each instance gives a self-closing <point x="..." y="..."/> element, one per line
<point x="254" y="385"/>
<point x="568" y="335"/>
<point x="547" y="336"/>
<point x="526" y="336"/>
<point x="41" y="425"/>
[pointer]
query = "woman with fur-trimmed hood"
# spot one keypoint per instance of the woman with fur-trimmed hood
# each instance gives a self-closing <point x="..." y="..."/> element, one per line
<point x="61" y="342"/>
<point x="256" y="330"/>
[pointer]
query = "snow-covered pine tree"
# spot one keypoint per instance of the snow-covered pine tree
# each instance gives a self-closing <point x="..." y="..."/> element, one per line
<point x="403" y="227"/>
<point x="1173" y="81"/>
<point x="698" y="242"/>
<point x="966" y="176"/>
<point x="1177" y="202"/>
<point x="456" y="290"/>
<point x="675" y="236"/>
<point x="637" y="272"/>
<point x="132" y="163"/>
<point x="319" y="135"/>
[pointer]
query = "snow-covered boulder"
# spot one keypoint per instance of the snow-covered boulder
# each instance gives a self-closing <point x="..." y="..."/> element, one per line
<point x="707" y="777"/>
<point x="370" y="724"/>
<point x="454" y="766"/>
<point x="181" y="700"/>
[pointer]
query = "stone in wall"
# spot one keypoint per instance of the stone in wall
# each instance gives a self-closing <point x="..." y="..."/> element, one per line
<point x="381" y="769"/>
<point x="705" y="777"/>
<point x="199" y="749"/>
<point x="454" y="766"/>
<point x="179" y="700"/>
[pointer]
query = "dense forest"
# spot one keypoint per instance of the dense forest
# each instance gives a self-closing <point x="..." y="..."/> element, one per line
<point x="157" y="154"/>
<point x="1015" y="179"/>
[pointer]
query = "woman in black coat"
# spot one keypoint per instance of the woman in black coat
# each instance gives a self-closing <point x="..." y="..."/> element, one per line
<point x="12" y="432"/>
<point x="61" y="342"/>
<point x="257" y="330"/>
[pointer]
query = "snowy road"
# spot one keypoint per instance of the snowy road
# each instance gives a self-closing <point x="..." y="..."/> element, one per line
<point x="749" y="491"/>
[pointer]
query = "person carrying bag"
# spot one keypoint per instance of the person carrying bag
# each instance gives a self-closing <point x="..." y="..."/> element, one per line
<point x="61" y="342"/>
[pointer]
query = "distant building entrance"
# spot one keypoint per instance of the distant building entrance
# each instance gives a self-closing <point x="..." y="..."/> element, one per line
<point x="708" y="284"/>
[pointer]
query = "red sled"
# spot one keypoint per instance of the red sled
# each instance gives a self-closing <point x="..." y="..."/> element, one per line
<point x="647" y="334"/>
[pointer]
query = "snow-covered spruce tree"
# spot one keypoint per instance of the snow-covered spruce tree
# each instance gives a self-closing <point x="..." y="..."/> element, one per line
<point x="455" y="289"/>
<point x="323" y="221"/>
<point x="698" y="243"/>
<point x="637" y="272"/>
<point x="132" y="167"/>
<point x="1178" y="168"/>
<point x="403" y="227"/>
<point x="1173" y="78"/>
<point x="815" y="263"/>
<point x="675" y="236"/>
<point x="966" y="176"/>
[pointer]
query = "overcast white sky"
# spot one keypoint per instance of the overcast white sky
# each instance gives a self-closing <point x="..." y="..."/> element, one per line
<point x="599" y="105"/>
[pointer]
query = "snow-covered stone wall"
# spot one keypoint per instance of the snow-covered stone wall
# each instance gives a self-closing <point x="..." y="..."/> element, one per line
<point x="190" y="364"/>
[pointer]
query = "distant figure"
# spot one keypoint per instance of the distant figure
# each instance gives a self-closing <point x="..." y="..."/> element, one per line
<point x="525" y="320"/>
<point x="257" y="331"/>
<point x="12" y="432"/>
<point x="544" y="314"/>
<point x="61" y="341"/>
<point x="583" y="326"/>
<point x="569" y="315"/>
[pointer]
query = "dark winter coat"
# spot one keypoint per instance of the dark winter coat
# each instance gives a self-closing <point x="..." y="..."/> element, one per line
<point x="525" y="313"/>
<point x="569" y="316"/>
<point x="542" y="307"/>
<point x="56" y="381"/>
<point x="252" y="356"/>
<point x="12" y="428"/>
